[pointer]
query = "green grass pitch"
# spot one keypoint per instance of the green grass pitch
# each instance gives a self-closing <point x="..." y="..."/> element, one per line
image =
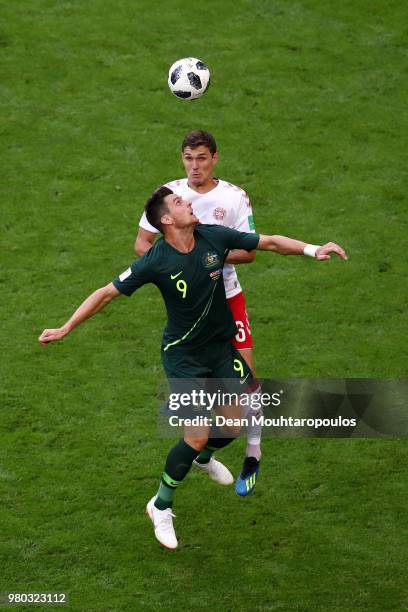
<point x="308" y="105"/>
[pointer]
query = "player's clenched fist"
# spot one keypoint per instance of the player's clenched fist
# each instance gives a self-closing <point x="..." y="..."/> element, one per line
<point x="50" y="335"/>
<point x="324" y="251"/>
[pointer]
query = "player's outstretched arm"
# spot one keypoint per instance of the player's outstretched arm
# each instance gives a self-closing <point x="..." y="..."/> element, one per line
<point x="239" y="256"/>
<point x="288" y="246"/>
<point x="93" y="304"/>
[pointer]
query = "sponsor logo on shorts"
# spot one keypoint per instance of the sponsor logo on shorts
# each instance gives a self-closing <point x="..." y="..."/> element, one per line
<point x="215" y="275"/>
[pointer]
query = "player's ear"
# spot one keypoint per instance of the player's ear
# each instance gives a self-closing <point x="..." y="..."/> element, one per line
<point x="215" y="158"/>
<point x="166" y="219"/>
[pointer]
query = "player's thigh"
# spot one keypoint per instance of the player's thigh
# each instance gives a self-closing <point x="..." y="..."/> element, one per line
<point x="229" y="364"/>
<point x="183" y="363"/>
<point x="233" y="379"/>
<point x="186" y="377"/>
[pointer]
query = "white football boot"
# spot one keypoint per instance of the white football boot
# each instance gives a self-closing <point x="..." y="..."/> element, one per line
<point x="163" y="524"/>
<point x="216" y="471"/>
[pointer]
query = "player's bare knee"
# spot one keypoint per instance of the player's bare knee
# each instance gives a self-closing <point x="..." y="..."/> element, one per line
<point x="197" y="443"/>
<point x="231" y="431"/>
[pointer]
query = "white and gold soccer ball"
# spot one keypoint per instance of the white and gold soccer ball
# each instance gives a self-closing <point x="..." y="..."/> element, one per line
<point x="189" y="78"/>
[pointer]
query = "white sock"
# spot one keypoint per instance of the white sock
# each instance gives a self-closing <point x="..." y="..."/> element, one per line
<point x="254" y="450"/>
<point x="254" y="431"/>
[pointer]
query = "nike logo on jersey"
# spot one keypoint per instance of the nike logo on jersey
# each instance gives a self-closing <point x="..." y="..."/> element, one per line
<point x="173" y="276"/>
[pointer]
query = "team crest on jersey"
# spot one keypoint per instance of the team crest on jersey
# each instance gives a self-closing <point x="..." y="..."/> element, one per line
<point x="219" y="213"/>
<point x="211" y="260"/>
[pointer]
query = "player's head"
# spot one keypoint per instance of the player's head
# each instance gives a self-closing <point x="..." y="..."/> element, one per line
<point x="165" y="209"/>
<point x="199" y="156"/>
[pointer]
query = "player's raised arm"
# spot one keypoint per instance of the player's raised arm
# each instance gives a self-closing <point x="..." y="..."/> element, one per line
<point x="146" y="236"/>
<point x="244" y="222"/>
<point x="144" y="241"/>
<point x="288" y="246"/>
<point x="93" y="304"/>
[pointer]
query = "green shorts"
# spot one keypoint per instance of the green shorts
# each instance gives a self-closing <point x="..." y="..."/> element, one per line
<point x="216" y="369"/>
<point x="216" y="359"/>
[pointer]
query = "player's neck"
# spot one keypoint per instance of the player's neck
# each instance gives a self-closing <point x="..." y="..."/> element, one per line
<point x="181" y="239"/>
<point x="205" y="187"/>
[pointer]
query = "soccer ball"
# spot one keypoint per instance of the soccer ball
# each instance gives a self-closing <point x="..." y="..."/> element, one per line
<point x="189" y="78"/>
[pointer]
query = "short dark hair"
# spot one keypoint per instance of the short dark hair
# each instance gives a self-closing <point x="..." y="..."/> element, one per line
<point x="199" y="138"/>
<point x="156" y="207"/>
